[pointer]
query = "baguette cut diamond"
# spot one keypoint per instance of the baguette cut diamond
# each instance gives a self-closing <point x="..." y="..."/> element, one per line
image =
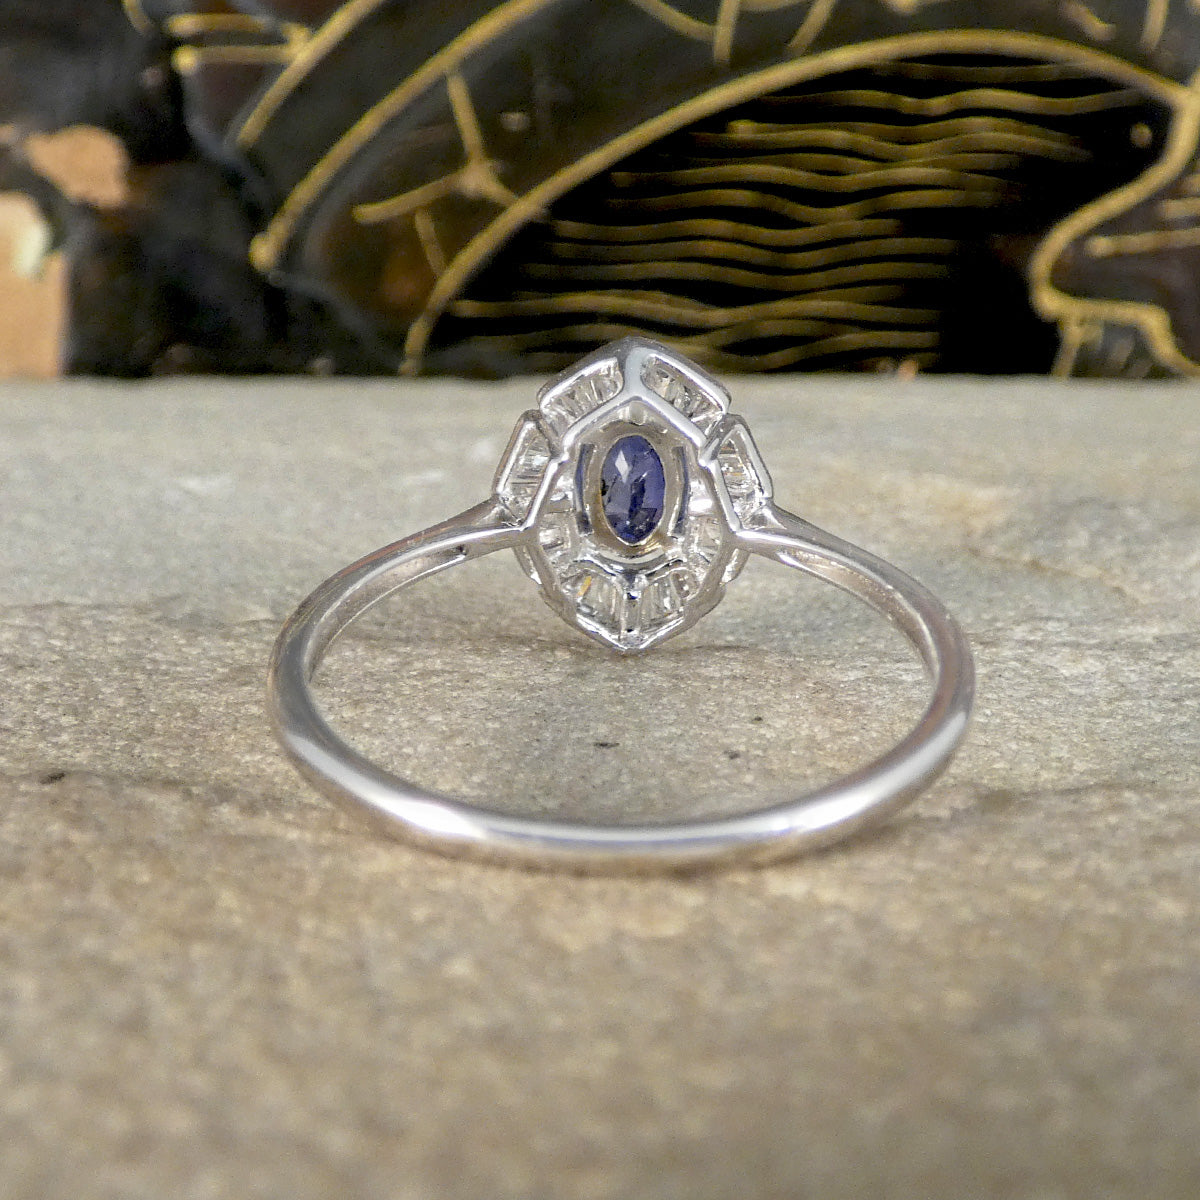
<point x="633" y="488"/>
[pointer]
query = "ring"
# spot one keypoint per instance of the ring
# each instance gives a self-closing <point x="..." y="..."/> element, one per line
<point x="632" y="497"/>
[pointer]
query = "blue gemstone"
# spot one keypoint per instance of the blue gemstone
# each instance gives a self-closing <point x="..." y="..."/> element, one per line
<point x="632" y="488"/>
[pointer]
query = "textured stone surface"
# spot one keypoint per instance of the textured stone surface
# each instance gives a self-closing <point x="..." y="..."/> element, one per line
<point x="212" y="984"/>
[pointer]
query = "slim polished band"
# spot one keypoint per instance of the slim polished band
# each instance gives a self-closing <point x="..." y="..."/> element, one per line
<point x="704" y="497"/>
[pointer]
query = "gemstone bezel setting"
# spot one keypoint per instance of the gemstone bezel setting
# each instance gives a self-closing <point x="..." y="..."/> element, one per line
<point x="633" y="488"/>
<point x="594" y="452"/>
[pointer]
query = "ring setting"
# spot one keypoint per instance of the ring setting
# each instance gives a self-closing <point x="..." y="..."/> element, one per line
<point x="632" y="497"/>
<point x="633" y="478"/>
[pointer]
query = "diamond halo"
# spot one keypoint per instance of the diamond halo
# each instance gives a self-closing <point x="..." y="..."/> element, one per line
<point x="631" y="594"/>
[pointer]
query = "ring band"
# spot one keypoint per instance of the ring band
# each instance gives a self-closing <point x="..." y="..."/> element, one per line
<point x="632" y="497"/>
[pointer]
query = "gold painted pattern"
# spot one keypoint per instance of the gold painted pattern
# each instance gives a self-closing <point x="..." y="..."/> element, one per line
<point x="342" y="21"/>
<point x="196" y="25"/>
<point x="1022" y="102"/>
<point x="1155" y="23"/>
<point x="796" y="210"/>
<point x="232" y="37"/>
<point x="710" y="227"/>
<point x="268" y="245"/>
<point x="1088" y="23"/>
<point x="811" y="26"/>
<point x="723" y="33"/>
<point x="734" y="91"/>
<point x="449" y="58"/>
<point x="888" y="142"/>
<point x="427" y="235"/>
<point x="1108" y="245"/>
<point x="725" y="261"/>
<point x="188" y="59"/>
<point x="911" y="174"/>
<point x="479" y="177"/>
<point x="1080" y="317"/>
<point x="815" y="279"/>
<point x="856" y="304"/>
<point x="678" y="22"/>
<point x="664" y="252"/>
<point x="476" y="177"/>
<point x="1179" y="209"/>
<point x="709" y="347"/>
<point x="137" y="17"/>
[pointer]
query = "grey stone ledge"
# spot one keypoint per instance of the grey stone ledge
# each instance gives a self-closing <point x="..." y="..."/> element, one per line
<point x="215" y="985"/>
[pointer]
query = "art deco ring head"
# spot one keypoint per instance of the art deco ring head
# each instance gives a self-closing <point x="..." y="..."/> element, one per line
<point x="632" y="497"/>
<point x="632" y="479"/>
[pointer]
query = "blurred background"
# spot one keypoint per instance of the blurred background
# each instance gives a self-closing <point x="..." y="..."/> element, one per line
<point x="87" y="164"/>
<point x="766" y="185"/>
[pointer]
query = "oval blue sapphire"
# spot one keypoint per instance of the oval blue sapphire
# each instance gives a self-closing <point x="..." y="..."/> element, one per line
<point x="632" y="488"/>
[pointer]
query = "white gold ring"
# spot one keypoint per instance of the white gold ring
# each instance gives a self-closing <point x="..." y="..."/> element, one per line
<point x="632" y="497"/>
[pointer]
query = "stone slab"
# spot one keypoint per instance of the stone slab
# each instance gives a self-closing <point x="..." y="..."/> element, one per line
<point x="213" y="984"/>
